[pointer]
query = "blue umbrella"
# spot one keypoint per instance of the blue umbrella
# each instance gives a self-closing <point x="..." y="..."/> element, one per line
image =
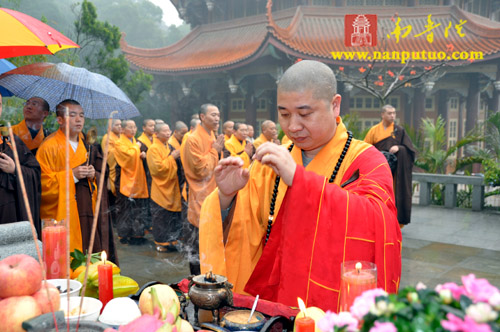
<point x="97" y="94"/>
<point x="5" y="65"/>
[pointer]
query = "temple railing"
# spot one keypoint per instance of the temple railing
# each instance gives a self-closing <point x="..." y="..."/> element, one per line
<point x="450" y="192"/>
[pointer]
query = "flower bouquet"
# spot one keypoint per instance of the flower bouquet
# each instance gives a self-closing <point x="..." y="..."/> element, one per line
<point x="472" y="307"/>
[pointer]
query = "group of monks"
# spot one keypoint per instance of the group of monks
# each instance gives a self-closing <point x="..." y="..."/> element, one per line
<point x="276" y="219"/>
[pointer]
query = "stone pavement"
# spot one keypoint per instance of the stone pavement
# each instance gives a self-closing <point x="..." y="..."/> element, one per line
<point x="439" y="245"/>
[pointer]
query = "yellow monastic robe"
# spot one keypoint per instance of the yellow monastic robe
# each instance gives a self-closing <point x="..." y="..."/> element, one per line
<point x="199" y="160"/>
<point x="260" y="140"/>
<point x="165" y="185"/>
<point x="237" y="149"/>
<point x="239" y="256"/>
<point x="227" y="138"/>
<point x="285" y="140"/>
<point x="132" y="177"/>
<point x="22" y="131"/>
<point x="378" y="133"/>
<point x="174" y="142"/>
<point x="52" y="158"/>
<point x="184" y="138"/>
<point x="145" y="139"/>
<point x="111" y="159"/>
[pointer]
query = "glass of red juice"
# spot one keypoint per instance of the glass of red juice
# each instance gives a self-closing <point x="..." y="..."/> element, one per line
<point x="54" y="240"/>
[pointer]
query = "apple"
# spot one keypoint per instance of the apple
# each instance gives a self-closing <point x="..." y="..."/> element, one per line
<point x="15" y="310"/>
<point x="43" y="300"/>
<point x="19" y="275"/>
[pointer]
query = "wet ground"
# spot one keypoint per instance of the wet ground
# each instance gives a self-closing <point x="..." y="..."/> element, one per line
<point x="440" y="245"/>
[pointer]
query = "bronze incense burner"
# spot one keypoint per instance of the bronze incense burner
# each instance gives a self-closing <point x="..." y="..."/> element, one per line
<point x="210" y="292"/>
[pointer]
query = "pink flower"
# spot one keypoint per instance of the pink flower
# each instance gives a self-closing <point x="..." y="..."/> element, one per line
<point x="456" y="290"/>
<point x="383" y="327"/>
<point x="365" y="301"/>
<point x="332" y="320"/>
<point x="420" y="286"/>
<point x="479" y="290"/>
<point x="468" y="325"/>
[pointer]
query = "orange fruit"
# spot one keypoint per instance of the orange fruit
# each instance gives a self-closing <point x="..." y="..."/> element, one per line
<point x="77" y="271"/>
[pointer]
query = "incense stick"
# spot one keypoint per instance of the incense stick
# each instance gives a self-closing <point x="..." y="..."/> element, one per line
<point x="66" y="119"/>
<point x="100" y="189"/>
<point x="30" y="216"/>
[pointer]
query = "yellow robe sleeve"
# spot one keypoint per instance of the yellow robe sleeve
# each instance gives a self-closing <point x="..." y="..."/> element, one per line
<point x="202" y="165"/>
<point x="165" y="185"/>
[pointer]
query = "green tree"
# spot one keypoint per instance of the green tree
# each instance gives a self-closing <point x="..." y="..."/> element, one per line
<point x="100" y="43"/>
<point x="434" y="155"/>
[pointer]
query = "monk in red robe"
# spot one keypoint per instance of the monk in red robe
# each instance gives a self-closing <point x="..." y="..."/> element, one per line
<point x="303" y="210"/>
<point x="31" y="130"/>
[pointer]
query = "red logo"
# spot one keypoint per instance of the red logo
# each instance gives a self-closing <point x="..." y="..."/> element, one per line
<point x="360" y="30"/>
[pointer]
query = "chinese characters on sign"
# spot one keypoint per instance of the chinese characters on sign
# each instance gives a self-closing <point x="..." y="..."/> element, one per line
<point x="403" y="32"/>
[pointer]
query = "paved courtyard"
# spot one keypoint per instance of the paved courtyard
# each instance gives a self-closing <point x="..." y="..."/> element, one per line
<point x="439" y="245"/>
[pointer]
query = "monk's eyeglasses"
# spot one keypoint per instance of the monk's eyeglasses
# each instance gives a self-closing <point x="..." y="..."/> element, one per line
<point x="32" y="102"/>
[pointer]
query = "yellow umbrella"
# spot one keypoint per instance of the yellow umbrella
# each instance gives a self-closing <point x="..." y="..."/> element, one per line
<point x="21" y="34"/>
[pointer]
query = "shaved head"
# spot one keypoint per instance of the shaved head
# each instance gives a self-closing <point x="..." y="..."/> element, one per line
<point x="158" y="126"/>
<point x="308" y="75"/>
<point x="266" y="124"/>
<point x="179" y="125"/>
<point x="194" y="123"/>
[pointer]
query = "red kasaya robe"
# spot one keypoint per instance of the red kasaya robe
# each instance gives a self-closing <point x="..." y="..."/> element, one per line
<point x="318" y="226"/>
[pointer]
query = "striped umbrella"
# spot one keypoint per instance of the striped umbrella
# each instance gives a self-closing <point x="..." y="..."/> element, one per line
<point x="97" y="94"/>
<point x="21" y="34"/>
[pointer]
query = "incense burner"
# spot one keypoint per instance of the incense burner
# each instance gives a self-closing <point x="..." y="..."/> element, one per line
<point x="210" y="292"/>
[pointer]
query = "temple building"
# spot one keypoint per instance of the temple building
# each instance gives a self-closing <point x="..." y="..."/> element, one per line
<point x="238" y="49"/>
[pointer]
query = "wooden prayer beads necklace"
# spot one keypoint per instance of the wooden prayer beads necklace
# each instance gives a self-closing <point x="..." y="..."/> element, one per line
<point x="277" y="183"/>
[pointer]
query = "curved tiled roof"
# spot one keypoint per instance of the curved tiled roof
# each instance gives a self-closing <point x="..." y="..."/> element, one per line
<point x="317" y="32"/>
<point x="312" y="32"/>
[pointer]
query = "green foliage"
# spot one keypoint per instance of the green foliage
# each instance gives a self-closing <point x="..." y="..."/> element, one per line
<point x="136" y="84"/>
<point x="353" y="123"/>
<point x="78" y="258"/>
<point x="434" y="156"/>
<point x="100" y="42"/>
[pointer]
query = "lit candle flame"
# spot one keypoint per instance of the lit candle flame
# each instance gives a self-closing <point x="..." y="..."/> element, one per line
<point x="302" y="306"/>
<point x="358" y="267"/>
<point x="104" y="257"/>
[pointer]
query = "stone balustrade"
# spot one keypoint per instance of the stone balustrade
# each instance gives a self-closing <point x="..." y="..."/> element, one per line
<point x="450" y="192"/>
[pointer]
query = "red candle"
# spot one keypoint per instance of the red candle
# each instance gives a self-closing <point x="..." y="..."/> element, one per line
<point x="356" y="277"/>
<point x="54" y="248"/>
<point x="304" y="324"/>
<point x="105" y="275"/>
